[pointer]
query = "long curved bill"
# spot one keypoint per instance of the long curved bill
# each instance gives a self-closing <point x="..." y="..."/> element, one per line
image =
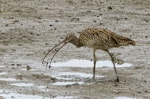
<point x="56" y="49"/>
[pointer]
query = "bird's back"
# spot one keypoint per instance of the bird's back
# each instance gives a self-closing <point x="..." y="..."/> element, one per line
<point x="103" y="39"/>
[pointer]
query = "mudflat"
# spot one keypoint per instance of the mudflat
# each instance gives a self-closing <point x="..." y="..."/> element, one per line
<point x="29" y="28"/>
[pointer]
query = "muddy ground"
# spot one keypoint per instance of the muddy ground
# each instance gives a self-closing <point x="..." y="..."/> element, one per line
<point x="28" y="28"/>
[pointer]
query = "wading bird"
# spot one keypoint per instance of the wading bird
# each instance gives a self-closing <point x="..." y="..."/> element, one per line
<point x="96" y="39"/>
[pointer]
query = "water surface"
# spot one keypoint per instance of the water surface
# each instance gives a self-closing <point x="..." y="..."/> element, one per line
<point x="87" y="63"/>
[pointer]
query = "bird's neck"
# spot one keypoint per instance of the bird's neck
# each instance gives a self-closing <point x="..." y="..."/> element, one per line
<point x="75" y="41"/>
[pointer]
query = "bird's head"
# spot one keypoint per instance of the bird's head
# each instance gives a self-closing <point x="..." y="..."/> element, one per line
<point x="69" y="38"/>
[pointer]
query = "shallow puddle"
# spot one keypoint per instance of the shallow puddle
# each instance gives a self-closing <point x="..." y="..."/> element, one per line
<point x="3" y="73"/>
<point x="26" y="69"/>
<point x="64" y="97"/>
<point x="2" y="66"/>
<point x="78" y="74"/>
<point x="8" y="79"/>
<point x="66" y="83"/>
<point x="73" y="78"/>
<point x="87" y="63"/>
<point x="42" y="88"/>
<point x="63" y="78"/>
<point x="23" y="84"/>
<point x="10" y="95"/>
<point x="123" y="97"/>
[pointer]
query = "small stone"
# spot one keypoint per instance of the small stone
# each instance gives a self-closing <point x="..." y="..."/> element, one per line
<point x="46" y="44"/>
<point x="110" y="7"/>
<point x="18" y="64"/>
<point x="12" y="64"/>
<point x="146" y="36"/>
<point x="115" y="91"/>
<point x="28" y="68"/>
<point x="39" y="17"/>
<point x="125" y="18"/>
<point x="16" y="21"/>
<point x="6" y="24"/>
<point x="56" y="21"/>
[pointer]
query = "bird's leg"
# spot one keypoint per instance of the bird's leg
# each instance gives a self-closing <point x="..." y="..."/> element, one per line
<point x="113" y="61"/>
<point x="94" y="57"/>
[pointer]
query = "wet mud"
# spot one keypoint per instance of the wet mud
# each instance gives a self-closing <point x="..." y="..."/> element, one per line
<point x="29" y="28"/>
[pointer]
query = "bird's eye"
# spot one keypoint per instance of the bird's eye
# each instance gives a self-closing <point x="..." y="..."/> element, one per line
<point x="69" y="36"/>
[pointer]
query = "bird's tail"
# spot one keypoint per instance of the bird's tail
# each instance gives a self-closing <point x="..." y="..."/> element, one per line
<point x="123" y="41"/>
<point x="132" y="42"/>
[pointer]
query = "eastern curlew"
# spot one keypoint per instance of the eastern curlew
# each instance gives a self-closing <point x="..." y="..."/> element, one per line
<point x="96" y="39"/>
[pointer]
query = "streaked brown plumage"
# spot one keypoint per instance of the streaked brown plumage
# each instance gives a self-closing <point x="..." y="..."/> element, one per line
<point x="96" y="39"/>
<point x="103" y="39"/>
